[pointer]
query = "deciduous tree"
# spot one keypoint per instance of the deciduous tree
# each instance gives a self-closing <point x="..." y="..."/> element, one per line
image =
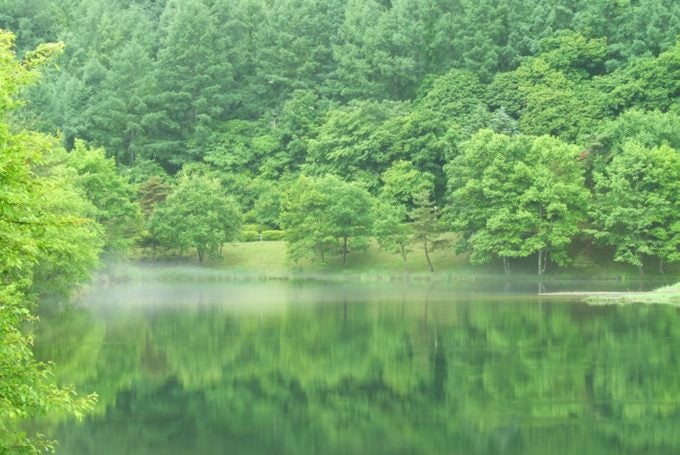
<point x="110" y="192"/>
<point x="44" y="234"/>
<point x="322" y="215"/>
<point x="197" y="214"/>
<point x="636" y="206"/>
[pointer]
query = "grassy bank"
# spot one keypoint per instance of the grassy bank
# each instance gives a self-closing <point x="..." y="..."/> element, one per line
<point x="268" y="259"/>
<point x="667" y="295"/>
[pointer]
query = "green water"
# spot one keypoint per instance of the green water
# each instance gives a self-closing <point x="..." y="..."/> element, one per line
<point x="286" y="368"/>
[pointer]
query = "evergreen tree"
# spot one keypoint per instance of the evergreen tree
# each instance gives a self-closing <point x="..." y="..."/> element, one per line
<point x="192" y="81"/>
<point x="425" y="226"/>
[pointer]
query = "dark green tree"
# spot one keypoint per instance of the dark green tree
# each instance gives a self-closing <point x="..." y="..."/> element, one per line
<point x="192" y="82"/>
<point x="425" y="226"/>
<point x="347" y="144"/>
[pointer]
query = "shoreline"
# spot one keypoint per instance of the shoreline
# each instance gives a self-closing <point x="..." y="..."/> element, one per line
<point x="666" y="295"/>
<point x="134" y="270"/>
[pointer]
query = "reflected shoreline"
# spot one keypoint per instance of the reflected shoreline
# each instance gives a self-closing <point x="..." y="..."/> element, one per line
<point x="308" y="367"/>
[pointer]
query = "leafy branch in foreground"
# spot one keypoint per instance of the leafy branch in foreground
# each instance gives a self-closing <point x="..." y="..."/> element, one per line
<point x="48" y="243"/>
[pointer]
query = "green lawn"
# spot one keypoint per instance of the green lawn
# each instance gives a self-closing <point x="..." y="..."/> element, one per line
<point x="269" y="259"/>
<point x="262" y="257"/>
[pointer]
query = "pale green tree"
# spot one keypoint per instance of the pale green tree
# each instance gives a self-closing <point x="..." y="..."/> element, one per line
<point x="425" y="226"/>
<point x="636" y="206"/>
<point x="517" y="196"/>
<point x="44" y="234"/>
<point x="322" y="215"/>
<point x="392" y="230"/>
<point x="403" y="183"/>
<point x="196" y="215"/>
<point x="484" y="197"/>
<point x="554" y="202"/>
<point x="111" y="194"/>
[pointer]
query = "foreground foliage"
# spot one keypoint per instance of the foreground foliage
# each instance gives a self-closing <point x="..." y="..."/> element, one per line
<point x="48" y="243"/>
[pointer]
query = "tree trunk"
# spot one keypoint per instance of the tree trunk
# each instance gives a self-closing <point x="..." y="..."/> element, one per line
<point x="127" y="148"/>
<point x="427" y="255"/>
<point x="545" y="261"/>
<point x="201" y="252"/>
<point x="131" y="149"/>
<point x="344" y="252"/>
<point x="542" y="261"/>
<point x="506" y="265"/>
<point x="541" y="253"/>
<point x="541" y="287"/>
<point x="661" y="271"/>
<point x="402" y="250"/>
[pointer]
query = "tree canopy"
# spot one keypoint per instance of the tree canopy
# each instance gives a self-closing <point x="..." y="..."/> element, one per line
<point x="254" y="94"/>
<point x="513" y="196"/>
<point x="196" y="214"/>
<point x="324" y="216"/>
<point x="49" y="242"/>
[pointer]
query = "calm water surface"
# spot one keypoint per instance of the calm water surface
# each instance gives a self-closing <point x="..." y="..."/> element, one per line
<point x="291" y="368"/>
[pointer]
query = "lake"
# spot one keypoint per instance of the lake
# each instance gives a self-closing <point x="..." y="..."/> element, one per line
<point x="384" y="368"/>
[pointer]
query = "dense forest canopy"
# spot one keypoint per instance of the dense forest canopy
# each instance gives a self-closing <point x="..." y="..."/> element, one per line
<point x="385" y="95"/>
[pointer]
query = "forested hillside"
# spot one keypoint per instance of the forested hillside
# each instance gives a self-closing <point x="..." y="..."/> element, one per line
<point x="523" y="126"/>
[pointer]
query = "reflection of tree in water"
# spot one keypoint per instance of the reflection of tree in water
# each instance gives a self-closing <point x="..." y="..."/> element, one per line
<point x="439" y="373"/>
<point x="477" y="377"/>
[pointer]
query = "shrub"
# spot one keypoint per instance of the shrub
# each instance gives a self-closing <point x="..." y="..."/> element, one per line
<point x="249" y="236"/>
<point x="273" y="235"/>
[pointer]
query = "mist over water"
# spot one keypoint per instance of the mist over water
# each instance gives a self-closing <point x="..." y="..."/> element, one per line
<point x="203" y="365"/>
<point x="152" y="284"/>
